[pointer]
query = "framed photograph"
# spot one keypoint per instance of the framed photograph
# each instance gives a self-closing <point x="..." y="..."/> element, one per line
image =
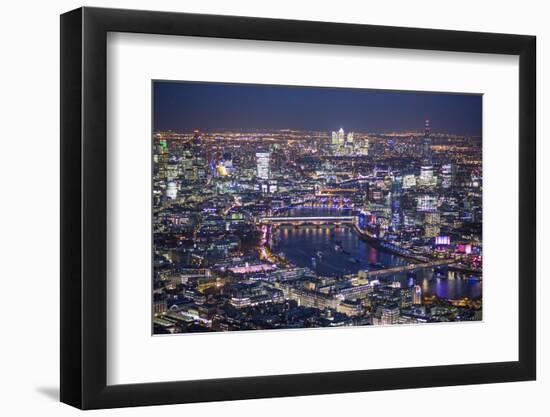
<point x="261" y="208"/>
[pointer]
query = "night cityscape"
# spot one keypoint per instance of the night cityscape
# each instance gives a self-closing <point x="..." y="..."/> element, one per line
<point x="279" y="207"/>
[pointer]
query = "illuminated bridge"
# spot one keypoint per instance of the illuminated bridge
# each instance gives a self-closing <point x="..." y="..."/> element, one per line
<point x="410" y="267"/>
<point x="296" y="221"/>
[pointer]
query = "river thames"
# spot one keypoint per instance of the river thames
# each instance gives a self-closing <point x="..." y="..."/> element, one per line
<point x="331" y="250"/>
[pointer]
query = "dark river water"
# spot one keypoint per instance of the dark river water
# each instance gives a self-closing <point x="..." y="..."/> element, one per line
<point x="331" y="250"/>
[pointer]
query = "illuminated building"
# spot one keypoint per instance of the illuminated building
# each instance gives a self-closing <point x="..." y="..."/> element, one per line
<point x="407" y="295"/>
<point x="335" y="144"/>
<point x="199" y="170"/>
<point x="196" y="148"/>
<point x="272" y="186"/>
<point x="364" y="147"/>
<point x="341" y="137"/>
<point x="228" y="163"/>
<point x="390" y="314"/>
<point x="159" y="305"/>
<point x="396" y="209"/>
<point x="409" y="181"/>
<point x="427" y="144"/>
<point x="442" y="240"/>
<point x="172" y="190"/>
<point x="358" y="291"/>
<point x="447" y="175"/>
<point x="417" y="295"/>
<point x="432" y="224"/>
<point x="262" y="165"/>
<point x="464" y="248"/>
<point x="427" y="178"/>
<point x="350" y="138"/>
<point x="426" y="203"/>
<point x="186" y="165"/>
<point x="162" y="158"/>
<point x="221" y="169"/>
<point x="351" y="308"/>
<point x="312" y="299"/>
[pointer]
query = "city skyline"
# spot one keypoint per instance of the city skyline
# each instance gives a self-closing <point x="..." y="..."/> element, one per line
<point x="186" y="106"/>
<point x="274" y="228"/>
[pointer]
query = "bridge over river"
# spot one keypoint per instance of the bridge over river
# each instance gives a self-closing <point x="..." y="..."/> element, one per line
<point x="409" y="267"/>
<point x="301" y="220"/>
<point x="301" y="246"/>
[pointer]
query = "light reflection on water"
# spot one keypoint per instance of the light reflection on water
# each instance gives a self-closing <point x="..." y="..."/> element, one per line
<point x="316" y="247"/>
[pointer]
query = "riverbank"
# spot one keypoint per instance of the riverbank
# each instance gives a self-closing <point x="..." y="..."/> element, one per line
<point x="314" y="247"/>
<point x="378" y="244"/>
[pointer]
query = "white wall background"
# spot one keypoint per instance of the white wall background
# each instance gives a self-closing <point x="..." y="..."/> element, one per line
<point x="29" y="219"/>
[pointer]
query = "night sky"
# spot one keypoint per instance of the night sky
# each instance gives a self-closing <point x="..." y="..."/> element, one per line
<point x="182" y="106"/>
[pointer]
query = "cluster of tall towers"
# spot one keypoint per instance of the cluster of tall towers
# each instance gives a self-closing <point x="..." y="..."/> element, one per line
<point x="343" y="144"/>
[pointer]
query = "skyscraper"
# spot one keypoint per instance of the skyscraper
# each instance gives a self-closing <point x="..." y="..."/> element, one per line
<point x="427" y="145"/>
<point x="341" y="136"/>
<point x="447" y="175"/>
<point x="335" y="143"/>
<point x="417" y="295"/>
<point x="432" y="223"/>
<point x="172" y="190"/>
<point x="262" y="165"/>
<point x="196" y="145"/>
<point x="365" y="147"/>
<point x="396" y="209"/>
<point x="426" y="203"/>
<point x="426" y="177"/>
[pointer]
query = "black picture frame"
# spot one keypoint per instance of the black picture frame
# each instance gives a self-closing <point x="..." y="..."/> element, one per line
<point x="84" y="207"/>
